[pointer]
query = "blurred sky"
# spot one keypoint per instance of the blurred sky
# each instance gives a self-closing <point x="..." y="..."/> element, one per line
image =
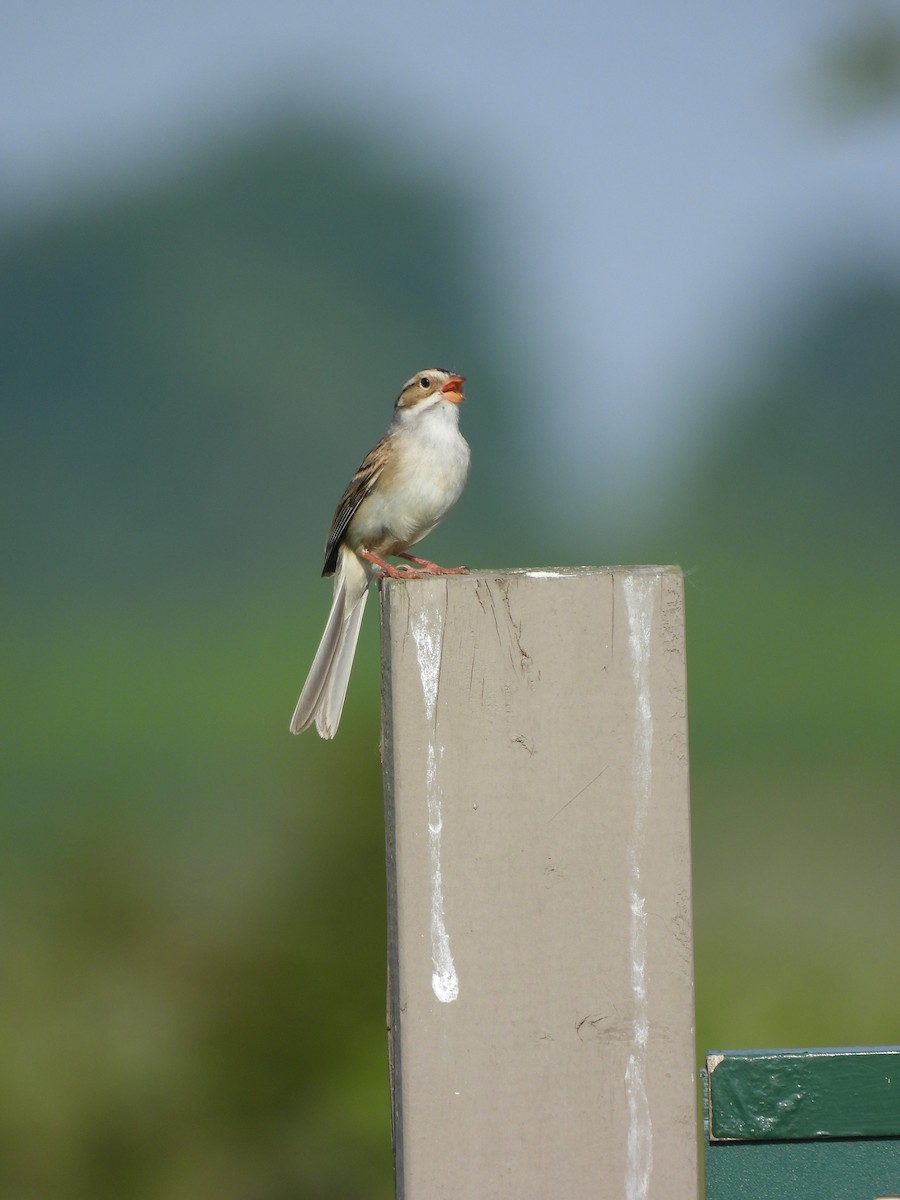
<point x="660" y="175"/>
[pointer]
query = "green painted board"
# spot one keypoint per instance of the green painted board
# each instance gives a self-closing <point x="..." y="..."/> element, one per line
<point x="789" y="1095"/>
<point x="841" y="1169"/>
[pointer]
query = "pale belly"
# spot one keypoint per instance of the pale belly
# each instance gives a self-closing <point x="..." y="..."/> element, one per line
<point x="428" y="477"/>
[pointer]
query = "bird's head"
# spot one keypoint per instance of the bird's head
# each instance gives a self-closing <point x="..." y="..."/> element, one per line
<point x="434" y="385"/>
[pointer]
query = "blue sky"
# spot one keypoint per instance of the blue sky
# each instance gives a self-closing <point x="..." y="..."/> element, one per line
<point x="660" y="177"/>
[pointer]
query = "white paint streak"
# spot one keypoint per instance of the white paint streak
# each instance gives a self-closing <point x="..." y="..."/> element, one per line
<point x="428" y="632"/>
<point x="639" y="593"/>
<point x="550" y="574"/>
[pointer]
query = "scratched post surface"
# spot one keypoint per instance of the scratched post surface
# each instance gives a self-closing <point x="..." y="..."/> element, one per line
<point x="540" y="963"/>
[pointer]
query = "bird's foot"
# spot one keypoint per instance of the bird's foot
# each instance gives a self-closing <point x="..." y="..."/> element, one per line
<point x="388" y="570"/>
<point x="423" y="568"/>
<point x="429" y="568"/>
<point x="402" y="572"/>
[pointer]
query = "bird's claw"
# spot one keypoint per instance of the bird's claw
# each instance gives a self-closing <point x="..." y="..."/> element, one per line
<point x="426" y="567"/>
<point x="422" y="570"/>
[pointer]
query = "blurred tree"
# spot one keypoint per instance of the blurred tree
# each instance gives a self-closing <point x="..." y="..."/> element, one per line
<point x="806" y="461"/>
<point x="185" y="369"/>
<point x="857" y="74"/>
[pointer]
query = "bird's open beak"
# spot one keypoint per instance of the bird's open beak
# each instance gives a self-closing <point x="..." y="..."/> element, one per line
<point x="452" y="389"/>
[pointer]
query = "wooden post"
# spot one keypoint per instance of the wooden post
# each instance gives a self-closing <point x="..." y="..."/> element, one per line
<point x="540" y="959"/>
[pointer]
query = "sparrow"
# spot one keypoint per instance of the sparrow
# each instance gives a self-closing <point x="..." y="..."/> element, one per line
<point x="402" y="489"/>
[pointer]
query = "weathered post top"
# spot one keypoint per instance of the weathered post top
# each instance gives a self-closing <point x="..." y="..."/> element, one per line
<point x="540" y="959"/>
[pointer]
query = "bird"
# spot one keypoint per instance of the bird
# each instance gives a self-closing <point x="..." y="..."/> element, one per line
<point x="404" y="486"/>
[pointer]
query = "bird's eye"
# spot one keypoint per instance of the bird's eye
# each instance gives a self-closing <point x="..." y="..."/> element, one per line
<point x="424" y="382"/>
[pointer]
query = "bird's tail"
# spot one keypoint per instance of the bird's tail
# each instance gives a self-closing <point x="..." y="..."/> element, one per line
<point x="322" y="698"/>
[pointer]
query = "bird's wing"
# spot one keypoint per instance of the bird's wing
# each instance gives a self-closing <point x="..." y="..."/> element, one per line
<point x="358" y="488"/>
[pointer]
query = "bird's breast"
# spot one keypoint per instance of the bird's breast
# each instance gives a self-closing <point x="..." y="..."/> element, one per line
<point x="424" y="478"/>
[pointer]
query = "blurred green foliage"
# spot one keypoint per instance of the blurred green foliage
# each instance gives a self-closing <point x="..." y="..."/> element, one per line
<point x="193" y="929"/>
<point x="857" y="72"/>
<point x="183" y="367"/>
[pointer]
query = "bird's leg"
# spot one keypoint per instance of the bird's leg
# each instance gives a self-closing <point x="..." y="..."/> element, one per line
<point x="385" y="568"/>
<point x="388" y="569"/>
<point x="430" y="568"/>
<point x="425" y="567"/>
